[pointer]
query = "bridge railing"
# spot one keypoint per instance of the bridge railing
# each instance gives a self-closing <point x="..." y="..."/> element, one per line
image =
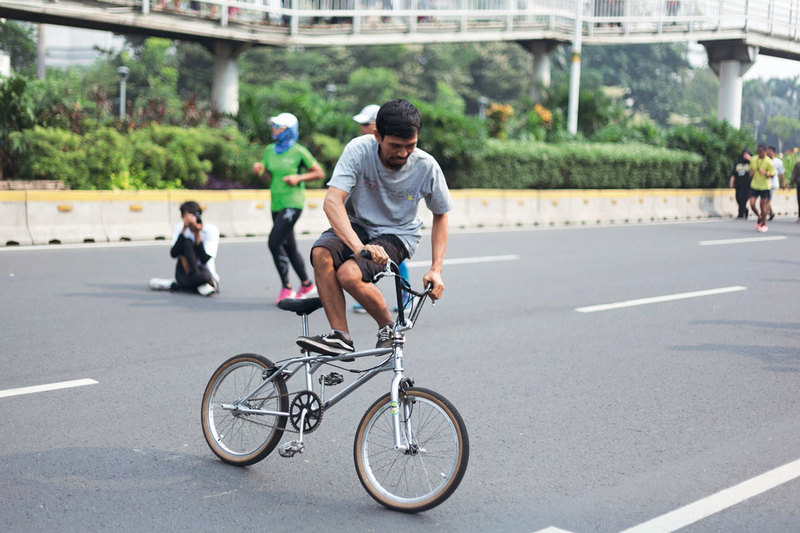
<point x="780" y="18"/>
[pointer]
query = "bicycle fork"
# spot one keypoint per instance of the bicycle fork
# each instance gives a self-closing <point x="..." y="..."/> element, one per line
<point x="401" y="421"/>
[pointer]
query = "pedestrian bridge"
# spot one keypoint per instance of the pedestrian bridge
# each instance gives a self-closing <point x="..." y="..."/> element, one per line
<point x="734" y="32"/>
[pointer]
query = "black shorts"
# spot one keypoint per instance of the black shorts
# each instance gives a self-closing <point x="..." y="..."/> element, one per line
<point x="755" y="193"/>
<point x="340" y="252"/>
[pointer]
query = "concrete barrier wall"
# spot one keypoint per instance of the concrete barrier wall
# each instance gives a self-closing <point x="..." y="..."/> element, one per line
<point x="41" y="217"/>
<point x="135" y="216"/>
<point x="14" y="218"/>
<point x="65" y="216"/>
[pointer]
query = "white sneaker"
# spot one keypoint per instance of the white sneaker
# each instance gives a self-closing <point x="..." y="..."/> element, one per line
<point x="206" y="289"/>
<point x="160" y="284"/>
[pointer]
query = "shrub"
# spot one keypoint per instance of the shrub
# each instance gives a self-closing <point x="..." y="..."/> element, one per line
<point x="326" y="151"/>
<point x="717" y="142"/>
<point x="530" y="165"/>
<point x="452" y="138"/>
<point x="51" y="154"/>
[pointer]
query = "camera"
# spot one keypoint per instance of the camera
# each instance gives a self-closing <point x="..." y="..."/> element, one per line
<point x="197" y="218"/>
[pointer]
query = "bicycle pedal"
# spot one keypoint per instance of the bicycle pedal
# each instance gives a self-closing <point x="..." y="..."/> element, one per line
<point x="291" y="448"/>
<point x="334" y="378"/>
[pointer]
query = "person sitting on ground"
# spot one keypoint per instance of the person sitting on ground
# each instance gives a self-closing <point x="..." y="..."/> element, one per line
<point x="371" y="204"/>
<point x="194" y="245"/>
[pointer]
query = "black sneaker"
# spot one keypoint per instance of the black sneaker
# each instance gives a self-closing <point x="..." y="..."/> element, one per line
<point x="385" y="336"/>
<point x="333" y="343"/>
<point x="771" y="216"/>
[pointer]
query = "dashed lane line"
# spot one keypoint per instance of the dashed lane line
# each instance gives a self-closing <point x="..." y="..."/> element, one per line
<point x="658" y="299"/>
<point x="694" y="512"/>
<point x="466" y="260"/>
<point x="742" y="241"/>
<point x="49" y="387"/>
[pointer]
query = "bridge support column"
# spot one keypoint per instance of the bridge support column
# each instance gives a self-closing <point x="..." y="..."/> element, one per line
<point x="541" y="51"/>
<point x="730" y="60"/>
<point x="225" y="86"/>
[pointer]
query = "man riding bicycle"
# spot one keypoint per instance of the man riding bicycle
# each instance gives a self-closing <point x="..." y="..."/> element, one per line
<point x="371" y="204"/>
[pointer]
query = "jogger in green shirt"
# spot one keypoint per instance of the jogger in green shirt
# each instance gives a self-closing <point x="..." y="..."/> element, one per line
<point x="289" y="165"/>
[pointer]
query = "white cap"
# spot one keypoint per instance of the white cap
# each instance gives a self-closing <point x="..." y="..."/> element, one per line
<point x="284" y="120"/>
<point x="367" y="115"/>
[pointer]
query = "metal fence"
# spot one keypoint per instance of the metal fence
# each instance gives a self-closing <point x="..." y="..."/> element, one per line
<point x="776" y="18"/>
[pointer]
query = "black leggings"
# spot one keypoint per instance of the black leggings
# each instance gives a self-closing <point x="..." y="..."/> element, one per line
<point x="283" y="246"/>
<point x="798" y="201"/>
<point x="197" y="274"/>
<point x="742" y="196"/>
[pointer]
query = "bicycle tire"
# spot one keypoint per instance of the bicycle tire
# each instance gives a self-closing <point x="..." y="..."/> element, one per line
<point x="243" y="439"/>
<point x="412" y="481"/>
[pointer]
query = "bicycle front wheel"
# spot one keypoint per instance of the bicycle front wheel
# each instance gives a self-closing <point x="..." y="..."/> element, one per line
<point x="426" y="474"/>
<point x="236" y="436"/>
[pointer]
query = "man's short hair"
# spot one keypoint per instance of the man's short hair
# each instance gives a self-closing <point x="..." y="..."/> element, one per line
<point x="761" y="147"/>
<point x="772" y="148"/>
<point x="191" y="207"/>
<point x="399" y="118"/>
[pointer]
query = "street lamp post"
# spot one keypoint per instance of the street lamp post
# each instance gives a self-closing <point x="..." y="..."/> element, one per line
<point x="757" y="123"/>
<point x="122" y="73"/>
<point x="331" y="90"/>
<point x="483" y="103"/>
<point x="575" y="71"/>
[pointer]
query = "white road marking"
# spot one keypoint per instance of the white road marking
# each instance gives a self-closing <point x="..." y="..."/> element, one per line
<point x="466" y="260"/>
<point x="552" y="529"/>
<point x="740" y="241"/>
<point x="658" y="299"/>
<point x="694" y="512"/>
<point x="48" y="387"/>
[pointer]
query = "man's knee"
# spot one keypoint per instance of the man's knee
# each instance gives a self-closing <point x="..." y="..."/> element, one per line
<point x="321" y="258"/>
<point x="349" y="275"/>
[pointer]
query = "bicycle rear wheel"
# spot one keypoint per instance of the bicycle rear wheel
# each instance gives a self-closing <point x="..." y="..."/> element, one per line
<point x="243" y="438"/>
<point x="427" y="474"/>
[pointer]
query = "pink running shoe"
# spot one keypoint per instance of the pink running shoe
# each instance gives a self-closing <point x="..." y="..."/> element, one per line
<point x="763" y="228"/>
<point x="306" y="292"/>
<point x="285" y="293"/>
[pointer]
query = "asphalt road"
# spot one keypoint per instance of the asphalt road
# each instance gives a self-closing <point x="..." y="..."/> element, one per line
<point x="580" y="421"/>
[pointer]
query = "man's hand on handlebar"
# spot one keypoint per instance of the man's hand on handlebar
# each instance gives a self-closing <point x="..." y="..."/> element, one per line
<point x="434" y="277"/>
<point x="376" y="254"/>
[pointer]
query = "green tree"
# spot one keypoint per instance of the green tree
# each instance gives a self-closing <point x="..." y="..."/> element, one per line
<point x="653" y="73"/>
<point x="783" y="128"/>
<point x="371" y="85"/>
<point x="16" y="114"/>
<point x="18" y="40"/>
<point x="195" y="71"/>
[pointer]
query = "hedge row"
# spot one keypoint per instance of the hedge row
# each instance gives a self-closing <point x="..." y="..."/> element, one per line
<point x="162" y="157"/>
<point x="526" y="165"/>
<point x="155" y="157"/>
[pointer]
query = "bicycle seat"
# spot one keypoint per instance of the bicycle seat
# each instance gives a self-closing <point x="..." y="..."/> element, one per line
<point x="301" y="306"/>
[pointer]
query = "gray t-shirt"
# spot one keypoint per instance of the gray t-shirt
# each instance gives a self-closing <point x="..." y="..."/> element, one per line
<point x="385" y="201"/>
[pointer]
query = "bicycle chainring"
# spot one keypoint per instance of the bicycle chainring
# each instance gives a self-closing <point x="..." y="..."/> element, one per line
<point x="312" y="404"/>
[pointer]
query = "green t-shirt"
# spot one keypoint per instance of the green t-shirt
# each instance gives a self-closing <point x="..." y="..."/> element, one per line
<point x="295" y="160"/>
<point x="761" y="181"/>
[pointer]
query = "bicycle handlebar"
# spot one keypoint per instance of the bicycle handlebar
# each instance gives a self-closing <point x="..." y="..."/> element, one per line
<point x="392" y="270"/>
<point x="401" y="285"/>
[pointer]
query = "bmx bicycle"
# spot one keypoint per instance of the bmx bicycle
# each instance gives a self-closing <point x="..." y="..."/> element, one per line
<point x="411" y="447"/>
